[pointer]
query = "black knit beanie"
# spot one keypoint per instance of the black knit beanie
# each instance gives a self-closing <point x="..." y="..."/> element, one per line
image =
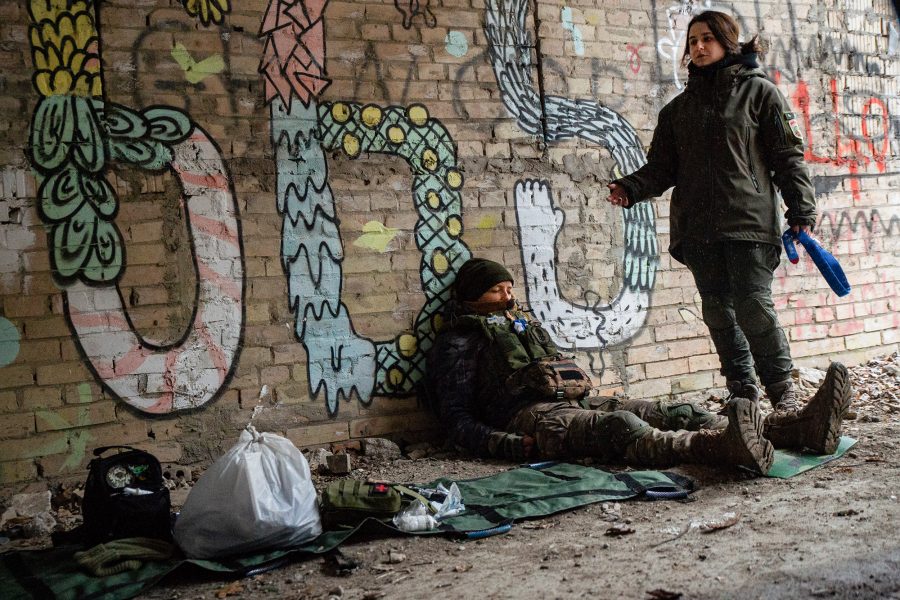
<point x="478" y="275"/>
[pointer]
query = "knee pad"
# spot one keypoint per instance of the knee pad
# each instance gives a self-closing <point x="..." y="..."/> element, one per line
<point x="687" y="416"/>
<point x="716" y="314"/>
<point x="754" y="317"/>
<point x="620" y="428"/>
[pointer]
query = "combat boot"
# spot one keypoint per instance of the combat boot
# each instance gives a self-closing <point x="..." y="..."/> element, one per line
<point x="741" y="443"/>
<point x="742" y="389"/>
<point x="817" y="425"/>
<point x="783" y="395"/>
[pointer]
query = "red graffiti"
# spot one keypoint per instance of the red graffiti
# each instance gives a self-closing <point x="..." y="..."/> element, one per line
<point x="634" y="59"/>
<point x="848" y="152"/>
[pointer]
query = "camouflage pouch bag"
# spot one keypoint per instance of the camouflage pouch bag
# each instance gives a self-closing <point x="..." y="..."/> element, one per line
<point x="550" y="378"/>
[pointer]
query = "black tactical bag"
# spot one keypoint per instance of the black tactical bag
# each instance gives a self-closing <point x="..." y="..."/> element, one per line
<point x="125" y="496"/>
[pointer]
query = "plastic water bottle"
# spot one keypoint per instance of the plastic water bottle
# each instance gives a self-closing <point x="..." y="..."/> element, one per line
<point x="411" y="523"/>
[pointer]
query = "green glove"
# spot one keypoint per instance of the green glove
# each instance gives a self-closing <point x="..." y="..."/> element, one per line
<point x="507" y="445"/>
<point x="126" y="554"/>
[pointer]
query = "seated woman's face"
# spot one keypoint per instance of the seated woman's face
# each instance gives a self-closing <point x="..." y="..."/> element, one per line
<point x="502" y="292"/>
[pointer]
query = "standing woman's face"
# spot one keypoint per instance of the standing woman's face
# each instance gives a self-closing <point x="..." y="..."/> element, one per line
<point x="703" y="46"/>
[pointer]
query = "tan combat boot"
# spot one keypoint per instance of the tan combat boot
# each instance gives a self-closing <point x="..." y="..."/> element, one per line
<point x="741" y="443"/>
<point x="817" y="425"/>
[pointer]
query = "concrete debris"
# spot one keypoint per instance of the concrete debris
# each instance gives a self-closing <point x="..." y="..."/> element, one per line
<point x="338" y="464"/>
<point x="380" y="449"/>
<point x="318" y="460"/>
<point x="27" y="505"/>
<point x="29" y="516"/>
<point x="419" y="451"/>
<point x="876" y="389"/>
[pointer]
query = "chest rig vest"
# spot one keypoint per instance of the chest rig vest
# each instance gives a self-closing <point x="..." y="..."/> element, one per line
<point x="522" y="358"/>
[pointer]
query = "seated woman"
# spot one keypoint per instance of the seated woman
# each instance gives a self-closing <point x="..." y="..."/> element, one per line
<point x="491" y="368"/>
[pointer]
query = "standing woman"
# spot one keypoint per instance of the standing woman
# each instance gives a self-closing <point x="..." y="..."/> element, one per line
<point x="725" y="143"/>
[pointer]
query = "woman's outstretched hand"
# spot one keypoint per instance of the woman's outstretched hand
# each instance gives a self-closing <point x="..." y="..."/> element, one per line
<point x="618" y="195"/>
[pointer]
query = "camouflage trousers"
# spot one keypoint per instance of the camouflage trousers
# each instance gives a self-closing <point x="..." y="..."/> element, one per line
<point x="566" y="430"/>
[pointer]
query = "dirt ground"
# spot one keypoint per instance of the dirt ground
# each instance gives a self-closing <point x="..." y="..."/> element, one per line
<point x="833" y="532"/>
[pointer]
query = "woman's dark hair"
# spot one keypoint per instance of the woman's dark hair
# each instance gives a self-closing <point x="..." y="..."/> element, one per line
<point x="726" y="31"/>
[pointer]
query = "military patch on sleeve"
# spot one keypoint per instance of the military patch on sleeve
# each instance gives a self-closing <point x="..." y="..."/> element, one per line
<point x="793" y="125"/>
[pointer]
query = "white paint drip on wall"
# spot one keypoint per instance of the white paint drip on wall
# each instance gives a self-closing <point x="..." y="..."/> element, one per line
<point x="569" y="26"/>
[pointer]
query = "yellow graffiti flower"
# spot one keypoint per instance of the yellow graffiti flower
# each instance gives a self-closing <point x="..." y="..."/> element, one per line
<point x="340" y="112"/>
<point x="351" y="145"/>
<point x="406" y="345"/>
<point x="429" y="159"/>
<point x="439" y="262"/>
<point x="371" y="116"/>
<point x="417" y="114"/>
<point x="396" y="134"/>
<point x="395" y="377"/>
<point x="49" y="10"/>
<point x="454" y="226"/>
<point x="209" y="11"/>
<point x="65" y="51"/>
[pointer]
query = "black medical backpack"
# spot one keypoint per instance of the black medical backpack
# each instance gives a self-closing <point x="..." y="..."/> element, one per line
<point x="125" y="496"/>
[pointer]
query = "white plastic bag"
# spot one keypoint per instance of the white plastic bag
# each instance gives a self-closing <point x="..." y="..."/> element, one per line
<point x="258" y="496"/>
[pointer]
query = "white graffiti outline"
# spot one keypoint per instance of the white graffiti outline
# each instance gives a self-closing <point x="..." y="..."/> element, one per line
<point x="572" y="325"/>
<point x="158" y="378"/>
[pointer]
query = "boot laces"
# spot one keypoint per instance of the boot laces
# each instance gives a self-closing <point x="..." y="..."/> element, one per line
<point x="789" y="402"/>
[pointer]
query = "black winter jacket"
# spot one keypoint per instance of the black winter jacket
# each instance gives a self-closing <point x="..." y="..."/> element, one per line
<point x="470" y="399"/>
<point x="725" y="143"/>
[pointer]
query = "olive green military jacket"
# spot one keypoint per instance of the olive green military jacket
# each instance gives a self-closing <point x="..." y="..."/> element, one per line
<point x="725" y="143"/>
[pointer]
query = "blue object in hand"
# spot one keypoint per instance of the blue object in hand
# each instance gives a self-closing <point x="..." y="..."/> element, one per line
<point x="827" y="264"/>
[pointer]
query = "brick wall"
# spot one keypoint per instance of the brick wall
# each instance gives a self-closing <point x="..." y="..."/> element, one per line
<point x="194" y="206"/>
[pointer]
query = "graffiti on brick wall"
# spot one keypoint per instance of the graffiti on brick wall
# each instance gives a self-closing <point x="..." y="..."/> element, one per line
<point x="554" y="118"/>
<point x="634" y="57"/>
<point x="149" y="73"/>
<point x="854" y="151"/>
<point x="410" y="9"/>
<point x="340" y="361"/>
<point x="208" y="11"/>
<point x="573" y="29"/>
<point x="9" y="342"/>
<point x="75" y="443"/>
<point x="837" y="225"/>
<point x="864" y="225"/>
<point x="75" y="136"/>
<point x="195" y="70"/>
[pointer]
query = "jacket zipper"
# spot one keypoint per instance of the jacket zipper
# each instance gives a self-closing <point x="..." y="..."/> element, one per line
<point x="750" y="164"/>
<point x="780" y="126"/>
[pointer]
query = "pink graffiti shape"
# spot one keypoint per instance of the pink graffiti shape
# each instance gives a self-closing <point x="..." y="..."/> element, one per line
<point x="634" y="59"/>
<point x="294" y="55"/>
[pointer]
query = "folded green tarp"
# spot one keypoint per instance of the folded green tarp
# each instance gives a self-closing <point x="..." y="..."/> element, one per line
<point x="497" y="500"/>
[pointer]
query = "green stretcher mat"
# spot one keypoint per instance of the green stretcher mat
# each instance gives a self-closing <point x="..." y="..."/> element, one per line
<point x="493" y="503"/>
<point x="788" y="463"/>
